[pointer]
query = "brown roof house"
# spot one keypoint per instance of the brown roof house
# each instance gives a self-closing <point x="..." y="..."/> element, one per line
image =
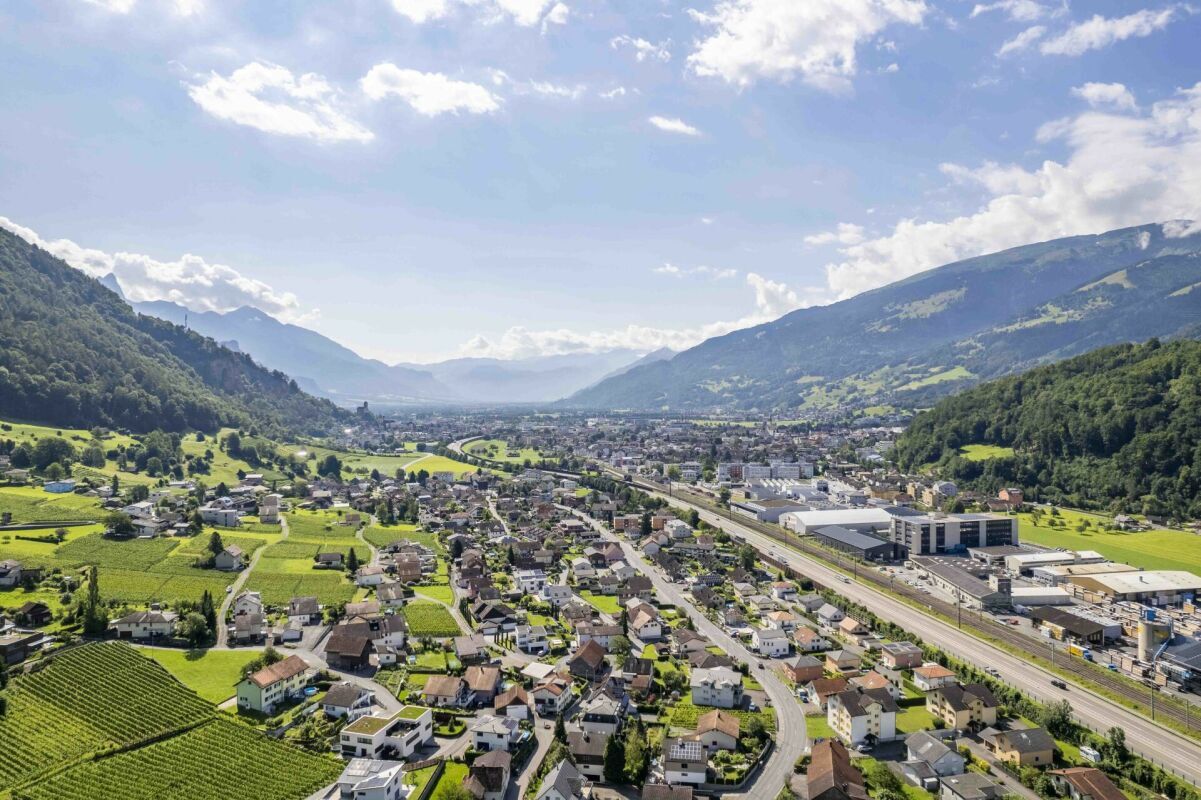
<point x="589" y="661"/>
<point x="831" y="776"/>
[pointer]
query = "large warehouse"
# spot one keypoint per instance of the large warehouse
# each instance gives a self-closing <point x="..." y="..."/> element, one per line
<point x="1154" y="587"/>
<point x="864" y="520"/>
<point x="861" y="545"/>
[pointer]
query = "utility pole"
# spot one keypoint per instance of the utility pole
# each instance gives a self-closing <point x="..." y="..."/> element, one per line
<point x="1152" y="703"/>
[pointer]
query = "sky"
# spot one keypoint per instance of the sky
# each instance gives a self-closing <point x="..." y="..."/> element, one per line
<point x="425" y="179"/>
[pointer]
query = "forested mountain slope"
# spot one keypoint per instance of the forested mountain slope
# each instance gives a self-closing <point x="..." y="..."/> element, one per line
<point x="73" y="353"/>
<point x="1117" y="428"/>
<point x="910" y="342"/>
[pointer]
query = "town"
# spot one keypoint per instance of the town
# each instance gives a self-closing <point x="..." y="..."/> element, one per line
<point x="569" y="609"/>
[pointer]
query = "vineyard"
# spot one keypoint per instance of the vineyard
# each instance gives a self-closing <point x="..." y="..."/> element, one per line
<point x="28" y="504"/>
<point x="382" y="537"/>
<point x="430" y="619"/>
<point x="286" y="567"/>
<point x="87" y="699"/>
<point x="216" y="761"/>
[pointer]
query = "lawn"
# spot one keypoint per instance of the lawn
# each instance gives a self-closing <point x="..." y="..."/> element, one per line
<point x="418" y="778"/>
<point x="1155" y="549"/>
<point x="818" y="728"/>
<point x="210" y="673"/>
<point x="353" y="462"/>
<point x="498" y="450"/>
<point x="453" y="775"/>
<point x="443" y="594"/>
<point x="953" y="374"/>
<point x="912" y="719"/>
<point x="604" y="603"/>
<point x="984" y="452"/>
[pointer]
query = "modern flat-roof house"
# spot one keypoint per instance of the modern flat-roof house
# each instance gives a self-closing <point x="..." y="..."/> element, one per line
<point x="404" y="731"/>
<point x="372" y="779"/>
<point x="266" y="689"/>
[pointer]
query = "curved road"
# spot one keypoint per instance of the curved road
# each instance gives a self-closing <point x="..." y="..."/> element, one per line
<point x="240" y="581"/>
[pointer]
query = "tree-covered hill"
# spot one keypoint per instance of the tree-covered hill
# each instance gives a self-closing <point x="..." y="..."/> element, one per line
<point x="73" y="353"/>
<point x="1118" y="428"/>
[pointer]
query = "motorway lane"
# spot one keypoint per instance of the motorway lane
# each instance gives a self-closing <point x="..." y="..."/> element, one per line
<point x="791" y="739"/>
<point x="1165" y="747"/>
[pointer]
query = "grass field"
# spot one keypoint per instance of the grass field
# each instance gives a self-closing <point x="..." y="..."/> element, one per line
<point x="984" y="452"/>
<point x="432" y="464"/>
<point x="500" y="451"/>
<point x="952" y="374"/>
<point x="442" y="594"/>
<point x="604" y="603"/>
<point x="817" y="727"/>
<point x="210" y="673"/>
<point x="1155" y="549"/>
<point x="452" y="775"/>
<point x="430" y="619"/>
<point x="384" y="536"/>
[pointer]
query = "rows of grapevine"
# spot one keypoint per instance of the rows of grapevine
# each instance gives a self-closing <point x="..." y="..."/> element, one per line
<point x="88" y="699"/>
<point x="430" y="619"/>
<point x="216" y="761"/>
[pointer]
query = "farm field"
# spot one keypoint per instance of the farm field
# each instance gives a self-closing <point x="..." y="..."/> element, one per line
<point x="74" y="707"/>
<point x="286" y="568"/>
<point x="360" y="463"/>
<point x="432" y="464"/>
<point x="210" y="673"/>
<point x="382" y="536"/>
<point x="1154" y="549"/>
<point x="441" y="594"/>
<point x="250" y="766"/>
<point x="984" y="452"/>
<point x="32" y="504"/>
<point x="430" y="619"/>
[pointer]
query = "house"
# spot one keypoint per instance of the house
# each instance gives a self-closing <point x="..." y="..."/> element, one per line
<point x="329" y="560"/>
<point x="471" y="649"/>
<point x="942" y="758"/>
<point x="370" y="575"/>
<point x="304" y="611"/>
<point x="685" y="642"/>
<point x="929" y="677"/>
<point x="405" y="731"/>
<point x="803" y="669"/>
<point x="266" y="689"/>
<point x="530" y="581"/>
<point x="842" y="661"/>
<point x="371" y="779"/>
<point x="783" y="620"/>
<point x="490" y="732"/>
<point x="1029" y="747"/>
<point x="852" y="629"/>
<point x="230" y="559"/>
<point x="963" y="707"/>
<point x="564" y="782"/>
<point x="970" y="786"/>
<point x="717" y="730"/>
<point x="347" y="648"/>
<point x="442" y="691"/>
<point x="552" y="696"/>
<point x="588" y="661"/>
<point x="488" y="776"/>
<point x="16" y="647"/>
<point x="514" y="703"/>
<point x="831" y="776"/>
<point x="347" y="701"/>
<point x="685" y="761"/>
<point x="249" y="627"/>
<point x="783" y="591"/>
<point x="483" y="683"/>
<point x="601" y="634"/>
<point x="644" y="623"/>
<point x="863" y="715"/>
<point x="901" y="655"/>
<point x="10" y="574"/>
<point x="663" y="791"/>
<point x="588" y="750"/>
<point x="829" y="616"/>
<point x="719" y="687"/>
<point x="875" y="680"/>
<point x="808" y="640"/>
<point x="822" y="689"/>
<point x="532" y="638"/>
<point x="248" y="603"/>
<point x="220" y="515"/>
<point x="1084" y="783"/>
<point x="146" y="625"/>
<point x="770" y="642"/>
<point x="602" y="714"/>
<point x="556" y="593"/>
<point x="33" y="614"/>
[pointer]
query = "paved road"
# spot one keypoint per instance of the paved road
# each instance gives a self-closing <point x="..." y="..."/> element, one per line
<point x="1171" y="750"/>
<point x="791" y="739"/>
<point x="239" y="582"/>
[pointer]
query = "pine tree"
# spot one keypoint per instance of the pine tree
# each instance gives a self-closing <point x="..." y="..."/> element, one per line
<point x="208" y="611"/>
<point x="95" y="615"/>
<point x="560" y="729"/>
<point x="615" y="759"/>
<point x="352" y="562"/>
<point x="215" y="543"/>
<point x="637" y="757"/>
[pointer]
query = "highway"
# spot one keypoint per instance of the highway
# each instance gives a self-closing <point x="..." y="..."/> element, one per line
<point x="1173" y="751"/>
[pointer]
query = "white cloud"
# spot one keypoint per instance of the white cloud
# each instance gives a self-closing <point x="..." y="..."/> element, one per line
<point x="615" y="92"/>
<point x="1106" y="94"/>
<point x="782" y="39"/>
<point x="189" y="280"/>
<point x="270" y="98"/>
<point x="547" y="89"/>
<point x="1019" y="10"/>
<point x="523" y="12"/>
<point x="893" y="67"/>
<point x="715" y="273"/>
<point x="673" y="125"/>
<point x="772" y="300"/>
<point x="1022" y="40"/>
<point x="184" y="8"/>
<point x="428" y="93"/>
<point x="847" y="233"/>
<point x="1121" y="170"/>
<point x="1099" y="31"/>
<point x="642" y="48"/>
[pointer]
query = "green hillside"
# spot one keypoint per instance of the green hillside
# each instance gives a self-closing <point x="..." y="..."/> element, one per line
<point x="909" y="343"/>
<point x="72" y="353"/>
<point x="1118" y="428"/>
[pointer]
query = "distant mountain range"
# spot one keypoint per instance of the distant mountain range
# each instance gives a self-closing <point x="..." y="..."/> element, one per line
<point x="73" y="353"/>
<point x="326" y="368"/>
<point x="908" y="343"/>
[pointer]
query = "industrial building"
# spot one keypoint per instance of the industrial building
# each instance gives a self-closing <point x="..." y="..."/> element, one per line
<point x="766" y="510"/>
<point x="863" y="520"/>
<point x="1150" y="587"/>
<point x="961" y="578"/>
<point x="1023" y="563"/>
<point x="860" y="545"/>
<point x="1064" y="626"/>
<point x="1059" y="574"/>
<point x="929" y="534"/>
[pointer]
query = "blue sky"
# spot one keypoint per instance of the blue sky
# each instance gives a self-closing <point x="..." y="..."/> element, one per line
<point x="420" y="179"/>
